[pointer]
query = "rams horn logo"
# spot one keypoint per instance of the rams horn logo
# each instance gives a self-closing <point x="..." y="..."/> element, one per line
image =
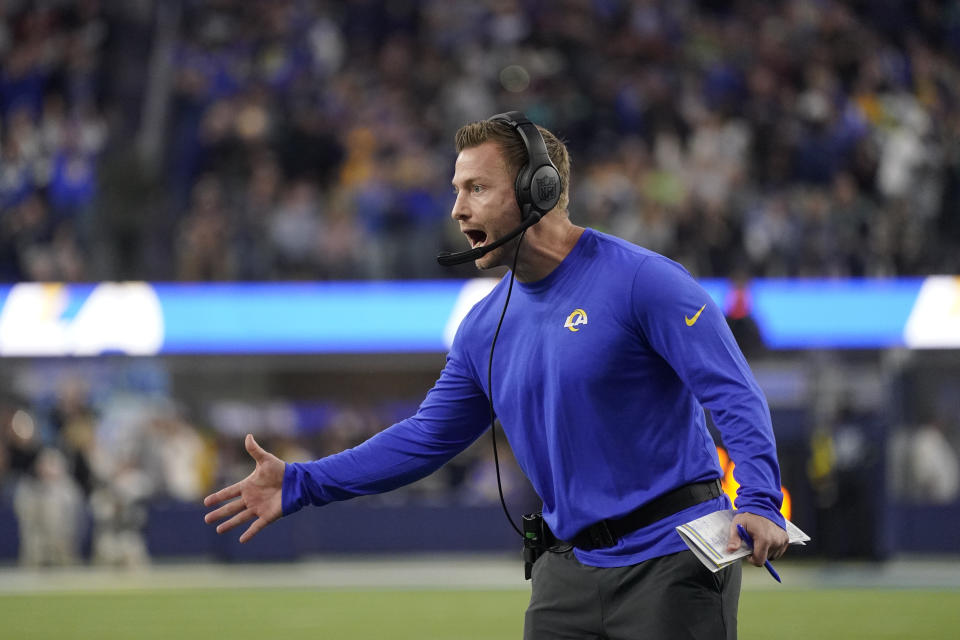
<point x="579" y="316"/>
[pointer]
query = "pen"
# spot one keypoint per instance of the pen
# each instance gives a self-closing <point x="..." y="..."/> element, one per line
<point x="746" y="538"/>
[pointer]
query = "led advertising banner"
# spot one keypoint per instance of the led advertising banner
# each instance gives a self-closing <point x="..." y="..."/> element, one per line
<point x="138" y="318"/>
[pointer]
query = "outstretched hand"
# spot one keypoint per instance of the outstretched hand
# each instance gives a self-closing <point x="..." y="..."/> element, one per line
<point x="769" y="540"/>
<point x="259" y="495"/>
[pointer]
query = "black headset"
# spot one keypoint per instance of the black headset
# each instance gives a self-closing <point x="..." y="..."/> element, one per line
<point x="538" y="186"/>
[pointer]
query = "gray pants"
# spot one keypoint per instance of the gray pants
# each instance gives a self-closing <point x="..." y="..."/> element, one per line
<point x="672" y="597"/>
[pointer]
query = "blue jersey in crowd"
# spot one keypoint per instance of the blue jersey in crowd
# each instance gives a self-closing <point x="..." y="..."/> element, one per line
<point x="600" y="374"/>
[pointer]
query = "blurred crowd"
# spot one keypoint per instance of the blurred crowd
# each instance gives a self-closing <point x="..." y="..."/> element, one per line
<point x="86" y="451"/>
<point x="91" y="452"/>
<point x="82" y="454"/>
<point x="303" y="139"/>
<point x="52" y="137"/>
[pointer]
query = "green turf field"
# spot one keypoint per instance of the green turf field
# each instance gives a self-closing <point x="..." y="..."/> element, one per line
<point x="431" y="614"/>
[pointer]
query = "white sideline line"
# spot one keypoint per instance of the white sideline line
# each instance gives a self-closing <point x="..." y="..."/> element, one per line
<point x="390" y="572"/>
<point x="461" y="572"/>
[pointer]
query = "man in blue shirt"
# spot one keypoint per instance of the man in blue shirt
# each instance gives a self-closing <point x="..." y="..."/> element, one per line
<point x="605" y="360"/>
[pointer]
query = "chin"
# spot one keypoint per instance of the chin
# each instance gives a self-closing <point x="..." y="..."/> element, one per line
<point x="502" y="256"/>
<point x="483" y="263"/>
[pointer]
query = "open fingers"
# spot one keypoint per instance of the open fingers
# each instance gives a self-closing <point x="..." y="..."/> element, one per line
<point x="240" y="518"/>
<point x="255" y="450"/>
<point x="253" y="529"/>
<point x="223" y="495"/>
<point x="227" y="510"/>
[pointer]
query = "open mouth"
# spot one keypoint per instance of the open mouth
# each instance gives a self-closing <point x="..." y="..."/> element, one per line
<point x="476" y="237"/>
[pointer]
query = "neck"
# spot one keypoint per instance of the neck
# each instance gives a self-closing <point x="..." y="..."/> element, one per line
<point x="545" y="246"/>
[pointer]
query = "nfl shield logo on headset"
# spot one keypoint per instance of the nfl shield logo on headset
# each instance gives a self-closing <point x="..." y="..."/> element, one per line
<point x="546" y="188"/>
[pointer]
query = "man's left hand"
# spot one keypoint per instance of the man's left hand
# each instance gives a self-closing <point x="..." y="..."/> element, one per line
<point x="769" y="540"/>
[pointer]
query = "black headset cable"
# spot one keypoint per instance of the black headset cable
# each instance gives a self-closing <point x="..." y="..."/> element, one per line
<point x="493" y="417"/>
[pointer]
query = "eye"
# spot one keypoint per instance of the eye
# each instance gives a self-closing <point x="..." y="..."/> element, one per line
<point x="477" y="188"/>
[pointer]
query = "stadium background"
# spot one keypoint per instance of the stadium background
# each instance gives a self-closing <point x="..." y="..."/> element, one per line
<point x="789" y="154"/>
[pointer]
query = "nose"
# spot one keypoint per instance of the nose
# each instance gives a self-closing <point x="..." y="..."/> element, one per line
<point x="459" y="211"/>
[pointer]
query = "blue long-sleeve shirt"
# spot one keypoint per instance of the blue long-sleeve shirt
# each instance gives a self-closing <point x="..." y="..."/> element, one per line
<point x="600" y="376"/>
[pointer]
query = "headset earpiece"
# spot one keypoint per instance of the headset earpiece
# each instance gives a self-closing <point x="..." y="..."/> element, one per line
<point x="538" y="184"/>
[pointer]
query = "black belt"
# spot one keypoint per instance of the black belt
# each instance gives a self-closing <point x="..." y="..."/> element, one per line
<point x="606" y="533"/>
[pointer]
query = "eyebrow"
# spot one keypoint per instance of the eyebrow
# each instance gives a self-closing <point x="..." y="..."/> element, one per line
<point x="468" y="181"/>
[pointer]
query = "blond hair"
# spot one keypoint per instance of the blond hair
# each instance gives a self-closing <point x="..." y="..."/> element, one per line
<point x="515" y="152"/>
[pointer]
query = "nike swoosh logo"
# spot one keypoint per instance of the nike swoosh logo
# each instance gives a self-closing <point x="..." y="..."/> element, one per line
<point x="692" y="321"/>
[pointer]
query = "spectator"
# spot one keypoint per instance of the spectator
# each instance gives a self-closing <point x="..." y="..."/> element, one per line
<point x="179" y="454"/>
<point x="925" y="468"/>
<point x="205" y="249"/>
<point x="825" y="148"/>
<point x="49" y="508"/>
